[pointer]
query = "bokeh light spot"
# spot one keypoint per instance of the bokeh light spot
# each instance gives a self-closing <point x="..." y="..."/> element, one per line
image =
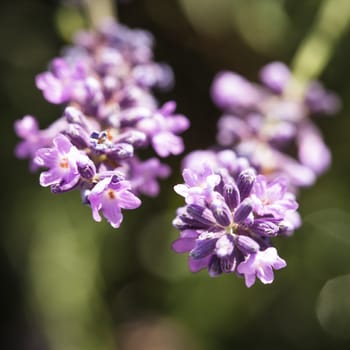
<point x="333" y="307"/>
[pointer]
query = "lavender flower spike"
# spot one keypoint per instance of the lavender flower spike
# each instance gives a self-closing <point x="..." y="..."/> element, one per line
<point x="266" y="123"/>
<point x="104" y="83"/>
<point x="230" y="217"/>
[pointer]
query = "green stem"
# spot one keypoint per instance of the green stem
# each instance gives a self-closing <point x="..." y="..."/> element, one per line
<point x="316" y="49"/>
<point x="98" y="10"/>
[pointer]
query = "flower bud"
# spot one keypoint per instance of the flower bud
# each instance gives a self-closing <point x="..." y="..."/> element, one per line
<point x="200" y="214"/>
<point x="246" y="244"/>
<point x="231" y="195"/>
<point x="221" y="213"/>
<point x="77" y="135"/>
<point x="121" y="151"/>
<point x="73" y="115"/>
<point x="214" y="266"/>
<point x="245" y="182"/>
<point x="242" y="211"/>
<point x="203" y="248"/>
<point x="265" y="228"/>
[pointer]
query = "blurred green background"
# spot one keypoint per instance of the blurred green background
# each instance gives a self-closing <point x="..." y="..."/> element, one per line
<point x="68" y="283"/>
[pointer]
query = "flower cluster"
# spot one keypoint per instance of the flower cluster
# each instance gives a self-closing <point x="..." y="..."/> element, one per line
<point x="241" y="194"/>
<point x="104" y="83"/>
<point x="271" y="124"/>
<point x="231" y="216"/>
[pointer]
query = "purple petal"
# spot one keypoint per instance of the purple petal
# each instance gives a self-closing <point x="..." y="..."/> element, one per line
<point x="203" y="248"/>
<point x="166" y="143"/>
<point x="50" y="177"/>
<point x="112" y="213"/>
<point x="128" y="200"/>
<point x="246" y="244"/>
<point x="230" y="90"/>
<point x="245" y="182"/>
<point x="275" y="76"/>
<point x="62" y="143"/>
<point x="247" y="266"/>
<point x="183" y="245"/>
<point x="46" y="157"/>
<point x="181" y="189"/>
<point x="279" y="263"/>
<point x="189" y="234"/>
<point x="249" y="280"/>
<point x="96" y="207"/>
<point x="196" y="265"/>
<point x="265" y="274"/>
<point x="52" y="88"/>
<point x="26" y="126"/>
<point x="243" y="210"/>
<point x="178" y="124"/>
<point x="231" y="195"/>
<point x="312" y="150"/>
<point x="298" y="174"/>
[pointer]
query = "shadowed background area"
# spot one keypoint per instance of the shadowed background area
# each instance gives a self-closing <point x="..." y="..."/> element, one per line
<point x="68" y="282"/>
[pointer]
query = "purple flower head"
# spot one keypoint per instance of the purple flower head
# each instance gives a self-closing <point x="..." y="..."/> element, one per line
<point x="111" y="195"/>
<point x="267" y="123"/>
<point x="104" y="83"/>
<point x="230" y="218"/>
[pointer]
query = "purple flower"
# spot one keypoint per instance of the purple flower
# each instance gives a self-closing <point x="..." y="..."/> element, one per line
<point x="206" y="160"/>
<point x="163" y="128"/>
<point x="61" y="82"/>
<point x="111" y="195"/>
<point x="230" y="218"/>
<point x="272" y="198"/>
<point x="63" y="163"/>
<point x="144" y="175"/>
<point x="267" y="123"/>
<point x="33" y="138"/>
<point x="260" y="265"/>
<point x="28" y="129"/>
<point x="196" y="184"/>
<point x="238" y="203"/>
<point x="312" y="151"/>
<point x="103" y="83"/>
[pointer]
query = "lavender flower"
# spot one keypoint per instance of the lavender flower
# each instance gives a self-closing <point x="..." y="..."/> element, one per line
<point x="265" y="123"/>
<point x="230" y="217"/>
<point x="261" y="265"/>
<point x="104" y="83"/>
<point x="110" y="195"/>
<point x="64" y="162"/>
